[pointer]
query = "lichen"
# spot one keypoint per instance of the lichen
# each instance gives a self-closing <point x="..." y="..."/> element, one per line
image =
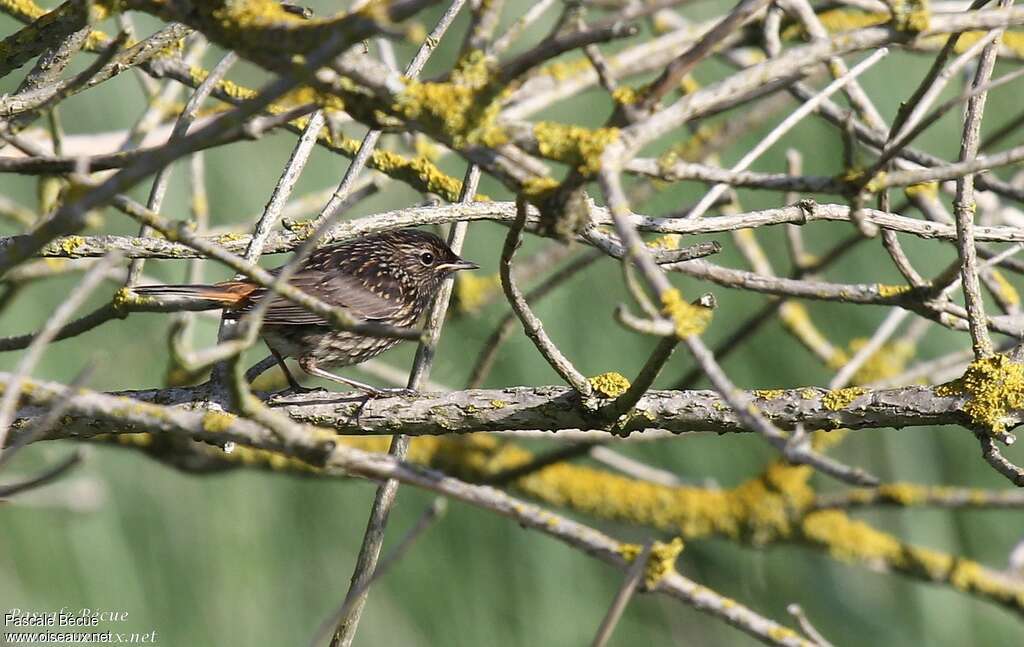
<point x="905" y="494"/>
<point x="888" y="361"/>
<point x="855" y="541"/>
<point x="1004" y="288"/>
<point x="609" y="385"/>
<point x="69" y="245"/>
<point x="472" y="292"/>
<point x="464" y="108"/>
<point x="218" y="421"/>
<point x="910" y="15"/>
<point x="688" y="318"/>
<point x="574" y="145"/>
<point x="563" y="70"/>
<point x="839" y="20"/>
<point x="795" y="318"/>
<point x="125" y="300"/>
<point x="994" y="387"/>
<point x="841" y="398"/>
<point x="660" y="562"/>
<point x="925" y="189"/>
<point x="538" y="188"/>
<point x="769" y="394"/>
<point x="888" y="291"/>
<point x="667" y="242"/>
<point x="625" y="95"/>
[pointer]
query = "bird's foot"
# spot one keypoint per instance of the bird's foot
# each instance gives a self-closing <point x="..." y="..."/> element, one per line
<point x="298" y="389"/>
<point x="387" y="392"/>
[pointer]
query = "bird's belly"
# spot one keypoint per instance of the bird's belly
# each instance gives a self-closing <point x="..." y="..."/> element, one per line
<point x="329" y="347"/>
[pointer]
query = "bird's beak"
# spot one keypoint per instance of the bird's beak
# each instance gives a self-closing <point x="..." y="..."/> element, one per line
<point x="460" y="265"/>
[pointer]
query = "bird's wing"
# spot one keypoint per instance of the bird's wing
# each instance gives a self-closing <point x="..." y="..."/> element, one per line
<point x="336" y="289"/>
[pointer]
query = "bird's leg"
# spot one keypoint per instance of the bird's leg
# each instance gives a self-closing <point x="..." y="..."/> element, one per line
<point x="293" y="384"/>
<point x="308" y="364"/>
<point x="259" y="368"/>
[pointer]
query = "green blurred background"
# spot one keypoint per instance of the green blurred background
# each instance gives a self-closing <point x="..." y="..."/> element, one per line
<point x="253" y="558"/>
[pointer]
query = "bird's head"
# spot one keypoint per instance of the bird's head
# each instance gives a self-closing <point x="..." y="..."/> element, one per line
<point x="418" y="261"/>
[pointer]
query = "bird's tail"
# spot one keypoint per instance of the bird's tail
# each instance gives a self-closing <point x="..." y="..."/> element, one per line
<point x="228" y="295"/>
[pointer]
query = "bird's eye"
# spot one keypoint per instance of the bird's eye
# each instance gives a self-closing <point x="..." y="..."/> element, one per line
<point x="427" y="258"/>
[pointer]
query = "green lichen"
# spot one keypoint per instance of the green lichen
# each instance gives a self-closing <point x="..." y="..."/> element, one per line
<point x="609" y="385"/>
<point x="842" y="398"/>
<point x="994" y="387"/>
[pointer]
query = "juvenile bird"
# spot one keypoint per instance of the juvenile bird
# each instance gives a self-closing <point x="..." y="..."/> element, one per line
<point x="388" y="277"/>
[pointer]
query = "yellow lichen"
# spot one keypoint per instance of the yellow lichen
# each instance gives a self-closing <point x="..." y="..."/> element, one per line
<point x="688" y="84"/>
<point x="573" y="145"/>
<point x="841" y="398"/>
<point x="925" y="189"/>
<point x="902" y="493"/>
<point x="415" y="32"/>
<point x="994" y="387"/>
<point x="910" y="15"/>
<point x="688" y="318"/>
<point x="1004" y="288"/>
<point x="625" y="95"/>
<point x="795" y="318"/>
<point x="560" y="70"/>
<point x="609" y="385"/>
<point x="839" y="20"/>
<point x="694" y="148"/>
<point x="218" y="421"/>
<point x="125" y="300"/>
<point x="426" y="148"/>
<point x="887" y="362"/>
<point x="808" y="394"/>
<point x="769" y="394"/>
<point x="537" y="188"/>
<point x="69" y="245"/>
<point x="660" y="562"/>
<point x="668" y="241"/>
<point x="464" y="108"/>
<point x="472" y="292"/>
<point x="888" y="291"/>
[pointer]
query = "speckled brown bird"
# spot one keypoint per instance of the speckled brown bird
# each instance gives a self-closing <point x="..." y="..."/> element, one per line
<point x="388" y="277"/>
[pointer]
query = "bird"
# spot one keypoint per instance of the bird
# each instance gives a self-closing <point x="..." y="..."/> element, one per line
<point x="387" y="277"/>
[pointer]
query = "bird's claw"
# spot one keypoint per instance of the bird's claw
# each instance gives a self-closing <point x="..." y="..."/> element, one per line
<point x="299" y="390"/>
